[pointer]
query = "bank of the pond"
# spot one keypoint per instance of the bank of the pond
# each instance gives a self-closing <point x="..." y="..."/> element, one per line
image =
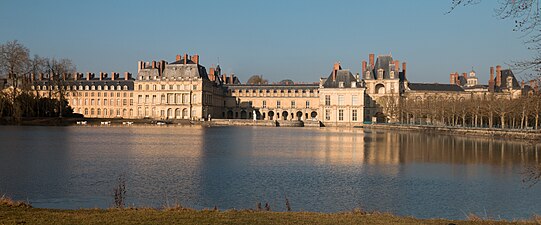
<point x="25" y="215"/>
<point x="530" y="135"/>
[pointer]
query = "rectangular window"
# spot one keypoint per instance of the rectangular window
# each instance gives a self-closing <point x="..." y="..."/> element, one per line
<point x="147" y="100"/>
<point x="327" y="100"/>
<point x="124" y="102"/>
<point x="278" y="104"/>
<point x="340" y="100"/>
<point x="340" y="115"/>
<point x="104" y="101"/>
<point x="354" y="115"/>
<point x="195" y="87"/>
<point x="264" y="104"/>
<point x="354" y="100"/>
<point x="140" y="99"/>
<point x="131" y="101"/>
<point x="153" y="99"/>
<point x="292" y="104"/>
<point x="92" y="102"/>
<point x="307" y="104"/>
<point x="327" y="114"/>
<point x="99" y="101"/>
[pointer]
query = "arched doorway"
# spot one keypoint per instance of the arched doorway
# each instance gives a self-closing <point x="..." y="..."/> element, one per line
<point x="380" y="117"/>
<point x="313" y="115"/>
<point x="299" y="115"/>
<point x="380" y="89"/>
<point x="229" y="114"/>
<point x="243" y="114"/>
<point x="271" y="115"/>
<point x="184" y="113"/>
<point x="169" y="113"/>
<point x="177" y="113"/>
<point x="284" y="115"/>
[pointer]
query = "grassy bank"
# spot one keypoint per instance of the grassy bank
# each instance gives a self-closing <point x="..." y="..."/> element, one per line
<point x="12" y="212"/>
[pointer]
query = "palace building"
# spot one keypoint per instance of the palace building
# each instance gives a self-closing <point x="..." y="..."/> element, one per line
<point x="185" y="90"/>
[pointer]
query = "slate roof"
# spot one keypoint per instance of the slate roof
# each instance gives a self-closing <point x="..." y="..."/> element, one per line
<point x="434" y="87"/>
<point x="341" y="76"/>
<point x="383" y="62"/>
<point x="272" y="86"/>
<point x="508" y="73"/>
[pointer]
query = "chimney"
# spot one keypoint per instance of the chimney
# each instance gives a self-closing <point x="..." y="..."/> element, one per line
<point x="185" y="58"/>
<point x="404" y="70"/>
<point x="363" y="71"/>
<point x="178" y="58"/>
<point x="153" y="64"/>
<point x="371" y="60"/>
<point x="465" y="75"/>
<point x="64" y="76"/>
<point x="211" y="74"/>
<point x="522" y="84"/>
<point x="127" y="76"/>
<point x="452" y="78"/>
<point x="224" y="78"/>
<point x="195" y="59"/>
<point x="491" y="80"/>
<point x="498" y="75"/>
<point x="51" y="76"/>
<point x="32" y="77"/>
<point x="101" y="75"/>
<point x="231" y="79"/>
<point x="139" y="65"/>
<point x="40" y="76"/>
<point x="336" y="67"/>
<point x="396" y="65"/>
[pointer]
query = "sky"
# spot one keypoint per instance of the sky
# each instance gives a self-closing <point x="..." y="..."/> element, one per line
<point x="279" y="39"/>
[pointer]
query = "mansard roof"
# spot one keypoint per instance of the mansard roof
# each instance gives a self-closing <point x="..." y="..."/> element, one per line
<point x="383" y="62"/>
<point x="272" y="86"/>
<point x="344" y="76"/>
<point x="508" y="73"/>
<point x="434" y="87"/>
<point x="95" y="82"/>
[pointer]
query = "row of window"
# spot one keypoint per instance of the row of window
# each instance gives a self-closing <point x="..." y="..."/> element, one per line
<point x="105" y="112"/>
<point x="279" y="104"/>
<point x="253" y="91"/>
<point x="99" y="102"/>
<point x="169" y="99"/>
<point x="99" y="94"/>
<point x="179" y="87"/>
<point x="82" y="88"/>
<point x="354" y="114"/>
<point x="341" y="100"/>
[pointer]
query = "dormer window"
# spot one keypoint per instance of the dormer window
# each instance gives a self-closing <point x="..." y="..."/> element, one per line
<point x="392" y="74"/>
<point x="341" y="84"/>
<point x="367" y="76"/>
<point x="380" y="74"/>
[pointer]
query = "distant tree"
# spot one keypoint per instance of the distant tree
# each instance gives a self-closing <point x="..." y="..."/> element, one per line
<point x="257" y="79"/>
<point x="286" y="82"/>
<point x="527" y="17"/>
<point x="60" y="70"/>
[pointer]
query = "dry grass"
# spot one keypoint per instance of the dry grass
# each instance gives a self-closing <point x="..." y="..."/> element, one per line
<point x="8" y="202"/>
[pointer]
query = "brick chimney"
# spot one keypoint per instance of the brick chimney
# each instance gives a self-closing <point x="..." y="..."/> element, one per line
<point x="335" y="69"/>
<point x="185" y="58"/>
<point x="371" y="60"/>
<point x="140" y="65"/>
<point x="231" y="78"/>
<point x="452" y="78"/>
<point x="101" y="75"/>
<point x="40" y="76"/>
<point x="465" y="75"/>
<point x="195" y="59"/>
<point x="404" y="70"/>
<point x="178" y="58"/>
<point x="224" y="78"/>
<point x="522" y="84"/>
<point x="153" y="64"/>
<point x="396" y="65"/>
<point x="127" y="76"/>
<point x="491" y="80"/>
<point x="212" y="75"/>
<point x="498" y="75"/>
<point x="363" y="69"/>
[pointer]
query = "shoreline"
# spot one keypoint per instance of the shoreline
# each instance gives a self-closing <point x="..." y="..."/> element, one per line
<point x="25" y="214"/>
<point x="524" y="135"/>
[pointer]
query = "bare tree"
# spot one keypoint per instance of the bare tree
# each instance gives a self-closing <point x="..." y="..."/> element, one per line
<point x="59" y="71"/>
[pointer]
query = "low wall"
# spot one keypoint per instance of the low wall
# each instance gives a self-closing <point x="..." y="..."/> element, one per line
<point x="470" y="131"/>
<point x="241" y="122"/>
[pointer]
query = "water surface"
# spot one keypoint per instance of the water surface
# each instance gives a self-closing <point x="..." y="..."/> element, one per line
<point x="318" y="169"/>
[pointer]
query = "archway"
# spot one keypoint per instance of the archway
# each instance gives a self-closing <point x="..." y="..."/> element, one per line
<point x="243" y="114"/>
<point x="169" y="113"/>
<point x="184" y="113"/>
<point x="263" y="117"/>
<point x="313" y="115"/>
<point x="177" y="113"/>
<point x="271" y="115"/>
<point x="380" y="117"/>
<point x="229" y="114"/>
<point x="284" y="115"/>
<point x="380" y="89"/>
<point x="299" y="115"/>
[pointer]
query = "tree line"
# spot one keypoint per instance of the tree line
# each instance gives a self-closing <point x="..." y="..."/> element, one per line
<point x="490" y="111"/>
<point x="17" y="71"/>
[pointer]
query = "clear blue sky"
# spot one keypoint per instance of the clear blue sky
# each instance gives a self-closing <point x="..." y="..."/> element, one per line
<point x="279" y="39"/>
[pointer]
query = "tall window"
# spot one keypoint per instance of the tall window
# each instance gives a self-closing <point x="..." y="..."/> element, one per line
<point x="140" y="99"/>
<point x="340" y="100"/>
<point x="327" y="100"/>
<point x="354" y="115"/>
<point x="292" y="104"/>
<point x="264" y="104"/>
<point x="278" y="104"/>
<point x="341" y="115"/>
<point x="354" y="100"/>
<point x="307" y="104"/>
<point x="327" y="114"/>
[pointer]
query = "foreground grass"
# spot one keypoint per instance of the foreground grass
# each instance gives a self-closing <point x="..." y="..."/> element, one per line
<point x="27" y="215"/>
